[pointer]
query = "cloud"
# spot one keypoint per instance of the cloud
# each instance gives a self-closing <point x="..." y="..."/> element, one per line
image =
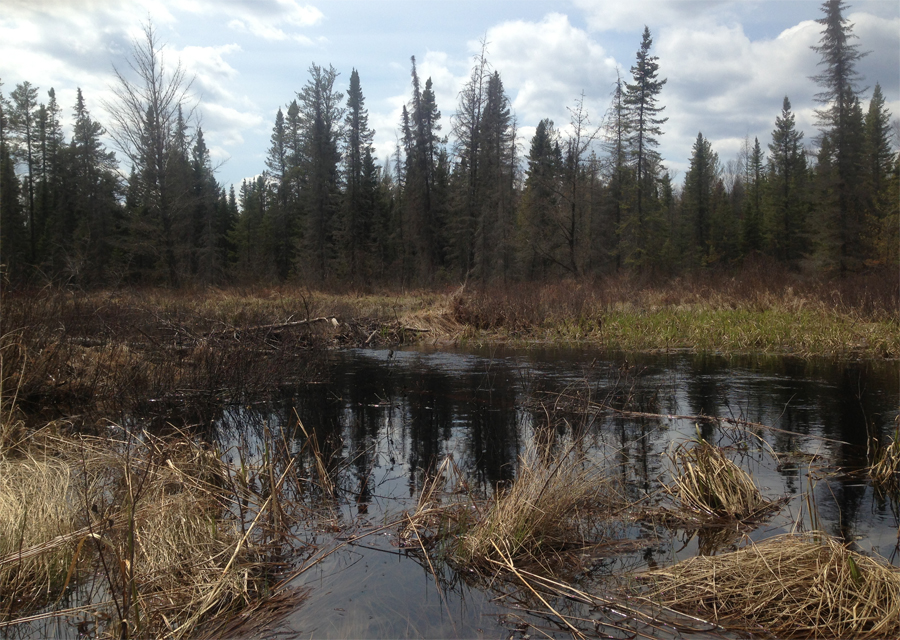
<point x="264" y="19"/>
<point x="631" y="16"/>
<point x="546" y="65"/>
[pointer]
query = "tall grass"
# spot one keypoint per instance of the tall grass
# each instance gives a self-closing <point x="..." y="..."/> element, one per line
<point x="554" y="505"/>
<point x="158" y="534"/>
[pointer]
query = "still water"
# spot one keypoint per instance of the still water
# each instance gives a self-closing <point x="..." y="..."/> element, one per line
<point x="385" y="418"/>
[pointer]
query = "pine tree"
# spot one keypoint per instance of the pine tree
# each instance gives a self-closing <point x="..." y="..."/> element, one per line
<point x="697" y="199"/>
<point x="641" y="98"/>
<point x="842" y="204"/>
<point x="787" y="189"/>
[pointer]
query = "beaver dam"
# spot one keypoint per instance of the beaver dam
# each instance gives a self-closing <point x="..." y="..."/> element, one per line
<point x="378" y="493"/>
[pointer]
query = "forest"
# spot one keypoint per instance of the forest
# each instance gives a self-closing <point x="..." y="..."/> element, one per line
<point x="457" y="201"/>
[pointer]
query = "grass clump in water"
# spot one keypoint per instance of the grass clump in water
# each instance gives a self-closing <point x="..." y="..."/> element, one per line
<point x="553" y="506"/>
<point x="885" y="470"/>
<point x="709" y="486"/>
<point x="154" y="536"/>
<point x="790" y="586"/>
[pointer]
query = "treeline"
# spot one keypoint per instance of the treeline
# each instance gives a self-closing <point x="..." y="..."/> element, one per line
<point x="455" y="201"/>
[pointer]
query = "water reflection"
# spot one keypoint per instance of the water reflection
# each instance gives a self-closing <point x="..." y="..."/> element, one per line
<point x="384" y="421"/>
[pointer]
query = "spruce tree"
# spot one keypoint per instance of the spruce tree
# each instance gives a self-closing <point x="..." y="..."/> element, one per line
<point x="541" y="244"/>
<point x="751" y="231"/>
<point x="879" y="151"/>
<point x="321" y="118"/>
<point x="357" y="211"/>
<point x="645" y="126"/>
<point x="787" y="197"/>
<point x="842" y="203"/>
<point x="22" y="119"/>
<point x="697" y="199"/>
<point x="13" y="239"/>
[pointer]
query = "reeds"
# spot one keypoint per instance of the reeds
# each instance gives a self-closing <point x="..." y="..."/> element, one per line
<point x="707" y="485"/>
<point x="885" y="470"/>
<point x="156" y="532"/>
<point x="553" y="505"/>
<point x="789" y="586"/>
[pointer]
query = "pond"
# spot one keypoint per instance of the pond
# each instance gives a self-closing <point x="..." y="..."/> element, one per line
<point x="384" y="419"/>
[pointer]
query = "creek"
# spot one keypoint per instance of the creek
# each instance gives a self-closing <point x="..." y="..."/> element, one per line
<point x="384" y="419"/>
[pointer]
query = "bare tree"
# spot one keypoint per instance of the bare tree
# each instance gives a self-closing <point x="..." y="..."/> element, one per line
<point x="148" y="126"/>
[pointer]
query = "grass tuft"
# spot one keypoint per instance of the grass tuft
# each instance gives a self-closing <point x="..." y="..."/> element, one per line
<point x="789" y="586"/>
<point x="550" y="507"/>
<point x="706" y="484"/>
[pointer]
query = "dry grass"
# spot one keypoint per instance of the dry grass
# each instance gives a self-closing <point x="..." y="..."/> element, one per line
<point x="885" y="470"/>
<point x="709" y="486"/>
<point x="37" y="506"/>
<point x="157" y="532"/>
<point x="553" y="505"/>
<point x="790" y="586"/>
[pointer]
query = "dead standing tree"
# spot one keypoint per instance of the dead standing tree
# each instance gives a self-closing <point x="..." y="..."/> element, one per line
<point x="148" y="126"/>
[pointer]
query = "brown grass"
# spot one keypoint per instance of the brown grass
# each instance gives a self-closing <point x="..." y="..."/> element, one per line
<point x="150" y="528"/>
<point x="552" y="506"/>
<point x="885" y="470"/>
<point x="707" y="485"/>
<point x="790" y="586"/>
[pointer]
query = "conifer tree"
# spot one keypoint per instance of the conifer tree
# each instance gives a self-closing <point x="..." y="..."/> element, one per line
<point x="618" y="172"/>
<point x="697" y="199"/>
<point x="540" y="242"/>
<point x="321" y="118"/>
<point x="787" y="189"/>
<point x="752" y="228"/>
<point x="645" y="127"/>
<point x="94" y="196"/>
<point x="879" y="152"/>
<point x="842" y="201"/>
<point x="22" y="119"/>
<point x="358" y="209"/>
<point x="13" y="239"/>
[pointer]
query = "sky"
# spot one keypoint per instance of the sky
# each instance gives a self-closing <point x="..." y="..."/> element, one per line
<point x="728" y="64"/>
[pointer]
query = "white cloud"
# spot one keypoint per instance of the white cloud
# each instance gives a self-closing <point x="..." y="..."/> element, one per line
<point x="265" y="19"/>
<point x="632" y="15"/>
<point x="546" y="65"/>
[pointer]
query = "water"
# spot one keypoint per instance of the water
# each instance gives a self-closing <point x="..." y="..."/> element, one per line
<point x="385" y="418"/>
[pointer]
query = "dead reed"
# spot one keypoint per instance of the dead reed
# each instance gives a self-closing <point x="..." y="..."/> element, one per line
<point x="789" y="586"/>
<point x="158" y="533"/>
<point x="707" y="485"/>
<point x="885" y="470"/>
<point x="554" y="504"/>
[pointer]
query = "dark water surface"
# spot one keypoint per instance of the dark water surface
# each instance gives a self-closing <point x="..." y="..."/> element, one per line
<point x="385" y="418"/>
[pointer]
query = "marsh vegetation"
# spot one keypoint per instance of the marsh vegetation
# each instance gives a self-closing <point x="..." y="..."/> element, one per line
<point x="231" y="462"/>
